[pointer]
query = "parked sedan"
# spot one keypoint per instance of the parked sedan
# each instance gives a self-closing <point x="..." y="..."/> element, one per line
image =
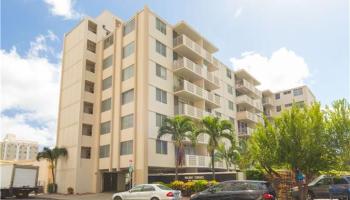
<point x="148" y="192"/>
<point x="327" y="187"/>
<point x="238" y="190"/>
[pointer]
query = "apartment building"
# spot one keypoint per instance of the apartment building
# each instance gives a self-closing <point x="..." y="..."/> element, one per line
<point x="12" y="149"/>
<point x="120" y="79"/>
<point x="248" y="102"/>
<point x="275" y="103"/>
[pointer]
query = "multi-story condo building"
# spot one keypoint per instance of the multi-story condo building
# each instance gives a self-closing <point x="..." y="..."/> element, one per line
<point x="120" y="79"/>
<point x="275" y="103"/>
<point x="248" y="101"/>
<point x="12" y="149"/>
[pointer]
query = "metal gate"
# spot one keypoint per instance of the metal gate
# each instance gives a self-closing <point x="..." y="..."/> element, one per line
<point x="109" y="182"/>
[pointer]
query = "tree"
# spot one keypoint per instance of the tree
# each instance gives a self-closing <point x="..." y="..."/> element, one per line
<point x="304" y="141"/>
<point x="338" y="126"/>
<point x="216" y="129"/>
<point x="52" y="156"/>
<point x="180" y="128"/>
<point x="263" y="147"/>
<point x="229" y="155"/>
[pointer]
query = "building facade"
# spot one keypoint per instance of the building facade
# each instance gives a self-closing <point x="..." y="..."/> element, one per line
<point x="12" y="149"/>
<point x="120" y="79"/>
<point x="275" y="103"/>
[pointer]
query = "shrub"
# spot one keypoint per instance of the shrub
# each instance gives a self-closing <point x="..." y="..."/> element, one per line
<point x="200" y="185"/>
<point x="51" y="188"/>
<point x="70" y="190"/>
<point x="212" y="183"/>
<point x="177" y="185"/>
<point x="254" y="174"/>
<point x="188" y="188"/>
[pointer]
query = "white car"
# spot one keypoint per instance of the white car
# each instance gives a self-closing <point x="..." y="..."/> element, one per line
<point x="148" y="192"/>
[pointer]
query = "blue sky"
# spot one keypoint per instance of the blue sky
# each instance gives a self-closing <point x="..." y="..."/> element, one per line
<point x="283" y="43"/>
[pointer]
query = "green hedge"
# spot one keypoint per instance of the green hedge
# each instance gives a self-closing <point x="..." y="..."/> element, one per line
<point x="189" y="187"/>
<point x="254" y="174"/>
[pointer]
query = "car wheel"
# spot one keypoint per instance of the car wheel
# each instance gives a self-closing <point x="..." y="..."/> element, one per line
<point x="117" y="198"/>
<point x="154" y="198"/>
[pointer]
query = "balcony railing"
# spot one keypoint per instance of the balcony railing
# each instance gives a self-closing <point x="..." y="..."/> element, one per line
<point x="197" y="92"/>
<point x="201" y="162"/>
<point x="244" y="99"/>
<point x="198" y="70"/>
<point x="245" y="131"/>
<point x="190" y="111"/>
<point x="249" y="116"/>
<point x="267" y="101"/>
<point x="196" y="48"/>
<point x="244" y="84"/>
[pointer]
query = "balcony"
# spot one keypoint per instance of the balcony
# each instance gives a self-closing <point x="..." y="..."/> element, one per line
<point x="189" y="48"/>
<point x="186" y="68"/>
<point x="191" y="91"/>
<point x="245" y="100"/>
<point x="267" y="101"/>
<point x="243" y="86"/>
<point x="249" y="117"/>
<point x="201" y="162"/>
<point x="190" y="111"/>
<point x="245" y="132"/>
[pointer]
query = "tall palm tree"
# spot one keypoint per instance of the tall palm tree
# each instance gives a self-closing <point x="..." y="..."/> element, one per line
<point x="180" y="128"/>
<point x="216" y="129"/>
<point x="229" y="155"/>
<point x="52" y="156"/>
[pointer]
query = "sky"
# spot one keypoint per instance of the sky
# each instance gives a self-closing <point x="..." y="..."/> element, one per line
<point x="283" y="44"/>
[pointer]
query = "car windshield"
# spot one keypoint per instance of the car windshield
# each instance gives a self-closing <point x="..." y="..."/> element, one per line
<point x="238" y="186"/>
<point x="163" y="187"/>
<point x="316" y="180"/>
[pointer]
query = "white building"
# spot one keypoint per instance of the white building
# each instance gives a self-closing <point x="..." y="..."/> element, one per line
<point x="13" y="149"/>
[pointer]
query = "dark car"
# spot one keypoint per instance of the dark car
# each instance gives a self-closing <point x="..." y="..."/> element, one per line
<point x="327" y="187"/>
<point x="238" y="190"/>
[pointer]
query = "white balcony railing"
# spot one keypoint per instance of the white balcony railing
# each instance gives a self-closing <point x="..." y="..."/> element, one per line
<point x="245" y="84"/>
<point x="201" y="162"/>
<point x="196" y="69"/>
<point x="190" y="111"/>
<point x="246" y="115"/>
<point x="267" y="101"/>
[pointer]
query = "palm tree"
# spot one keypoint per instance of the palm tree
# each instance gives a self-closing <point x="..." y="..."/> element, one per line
<point x="52" y="156"/>
<point x="216" y="129"/>
<point x="180" y="128"/>
<point x="229" y="155"/>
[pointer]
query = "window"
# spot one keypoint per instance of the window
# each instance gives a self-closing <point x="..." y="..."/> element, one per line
<point x="129" y="27"/>
<point x="89" y="86"/>
<point x="105" y="127"/>
<point x="217" y="114"/>
<point x="87" y="129"/>
<point x="126" y="147"/>
<point x="127" y="121"/>
<point x="230" y="105"/>
<point x="128" y="72"/>
<point x="107" y="83"/>
<point x="160" y="48"/>
<point x="288" y="105"/>
<point x="229" y="89"/>
<point x="300" y="103"/>
<point x="88" y="108"/>
<point x="160" y="119"/>
<point x="161" y="147"/>
<point x="104" y="151"/>
<point x="91" y="46"/>
<point x="92" y="27"/>
<point x="90" y="66"/>
<point x="278" y="108"/>
<point x="340" y="181"/>
<point x="161" y="26"/>
<point x="147" y="188"/>
<point x="228" y="73"/>
<point x="108" y="42"/>
<point x="286" y="92"/>
<point x="85" y="152"/>
<point x="128" y="49"/>
<point x="277" y="96"/>
<point x="107" y="62"/>
<point x="127" y="96"/>
<point x="232" y="121"/>
<point x="161" y="71"/>
<point x="161" y="95"/>
<point x="298" y="91"/>
<point x="106" y="105"/>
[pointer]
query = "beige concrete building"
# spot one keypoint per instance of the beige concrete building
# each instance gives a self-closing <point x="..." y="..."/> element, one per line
<point x="120" y="79"/>
<point x="14" y="149"/>
<point x="275" y="103"/>
<point x="248" y="101"/>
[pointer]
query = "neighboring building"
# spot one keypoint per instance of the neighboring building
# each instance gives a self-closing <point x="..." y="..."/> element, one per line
<point x="248" y="100"/>
<point x="13" y="149"/>
<point x="275" y="103"/>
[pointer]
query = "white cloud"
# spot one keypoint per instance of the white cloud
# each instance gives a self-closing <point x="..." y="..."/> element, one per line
<point x="238" y="12"/>
<point x="30" y="84"/>
<point x="63" y="8"/>
<point x="283" y="70"/>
